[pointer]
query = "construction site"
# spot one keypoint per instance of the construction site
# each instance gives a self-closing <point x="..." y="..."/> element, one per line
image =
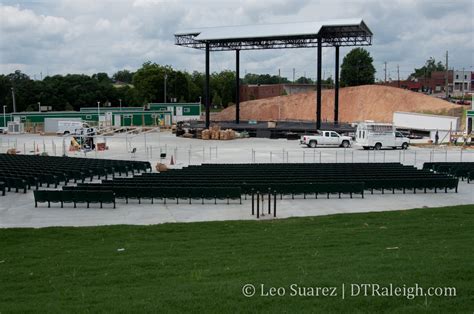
<point x="341" y="181"/>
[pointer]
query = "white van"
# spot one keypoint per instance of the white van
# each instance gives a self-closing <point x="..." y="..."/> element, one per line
<point x="73" y="128"/>
<point x="380" y="135"/>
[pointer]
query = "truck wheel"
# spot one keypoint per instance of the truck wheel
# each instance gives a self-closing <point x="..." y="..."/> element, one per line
<point x="365" y="147"/>
<point x="378" y="146"/>
<point x="312" y="144"/>
<point x="345" y="144"/>
<point x="66" y="132"/>
<point x="404" y="145"/>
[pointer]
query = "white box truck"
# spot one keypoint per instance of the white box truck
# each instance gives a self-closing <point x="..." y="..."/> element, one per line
<point x="372" y="135"/>
<point x="74" y="128"/>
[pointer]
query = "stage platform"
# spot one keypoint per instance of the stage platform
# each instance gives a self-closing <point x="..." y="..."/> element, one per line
<point x="282" y="129"/>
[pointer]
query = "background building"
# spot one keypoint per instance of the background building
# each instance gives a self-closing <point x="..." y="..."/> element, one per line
<point x="260" y="91"/>
<point x="179" y="111"/>
<point x="109" y="117"/>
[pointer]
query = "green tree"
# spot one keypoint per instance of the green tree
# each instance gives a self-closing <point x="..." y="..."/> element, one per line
<point x="195" y="83"/>
<point x="357" y="68"/>
<point x="102" y="78"/>
<point x="251" y="78"/>
<point x="223" y="85"/>
<point x="217" y="100"/>
<point x="124" y="76"/>
<point x="24" y="89"/>
<point x="328" y="83"/>
<point x="304" y="80"/>
<point x="425" y="71"/>
<point x="68" y="107"/>
<point x="149" y="82"/>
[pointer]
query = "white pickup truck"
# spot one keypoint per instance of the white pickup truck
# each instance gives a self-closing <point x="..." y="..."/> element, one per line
<point x="326" y="138"/>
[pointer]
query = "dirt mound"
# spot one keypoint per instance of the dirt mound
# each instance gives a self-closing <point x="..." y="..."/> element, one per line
<point x="368" y="102"/>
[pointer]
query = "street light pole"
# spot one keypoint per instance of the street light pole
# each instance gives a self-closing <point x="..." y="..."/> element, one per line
<point x="39" y="106"/>
<point x="462" y="89"/>
<point x="13" y="99"/>
<point x="4" y="117"/>
<point x="98" y="114"/>
<point x="120" y="100"/>
<point x="166" y="77"/>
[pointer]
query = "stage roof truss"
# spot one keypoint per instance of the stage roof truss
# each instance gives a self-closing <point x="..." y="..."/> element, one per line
<point x="332" y="34"/>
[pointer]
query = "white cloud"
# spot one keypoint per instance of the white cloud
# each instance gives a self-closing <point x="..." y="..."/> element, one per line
<point x="87" y="36"/>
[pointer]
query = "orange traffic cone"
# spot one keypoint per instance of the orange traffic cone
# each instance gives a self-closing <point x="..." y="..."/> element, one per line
<point x="172" y="160"/>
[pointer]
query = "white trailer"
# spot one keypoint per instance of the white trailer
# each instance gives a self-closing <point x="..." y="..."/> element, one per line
<point x="74" y="128"/>
<point x="51" y="124"/>
<point x="444" y="125"/>
<point x="380" y="135"/>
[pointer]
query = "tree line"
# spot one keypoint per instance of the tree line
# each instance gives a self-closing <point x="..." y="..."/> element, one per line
<point x="147" y="84"/>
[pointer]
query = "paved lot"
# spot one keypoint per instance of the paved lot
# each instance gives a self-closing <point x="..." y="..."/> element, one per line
<point x="17" y="210"/>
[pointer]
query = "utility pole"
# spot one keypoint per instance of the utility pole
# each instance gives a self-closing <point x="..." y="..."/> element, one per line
<point x="294" y="75"/>
<point x="279" y="76"/>
<point x="462" y="89"/>
<point x="166" y="77"/>
<point x="446" y="77"/>
<point x="398" y="74"/>
<point x="385" y="71"/>
<point x="120" y="100"/>
<point x="13" y="100"/>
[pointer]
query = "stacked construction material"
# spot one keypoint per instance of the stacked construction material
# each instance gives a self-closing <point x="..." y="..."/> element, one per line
<point x="215" y="133"/>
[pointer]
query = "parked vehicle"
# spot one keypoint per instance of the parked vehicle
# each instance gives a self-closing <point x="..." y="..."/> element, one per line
<point x="326" y="138"/>
<point x="74" y="128"/>
<point x="380" y="135"/>
<point x="3" y="130"/>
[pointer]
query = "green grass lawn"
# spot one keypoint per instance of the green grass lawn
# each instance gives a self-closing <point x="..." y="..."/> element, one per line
<point x="202" y="267"/>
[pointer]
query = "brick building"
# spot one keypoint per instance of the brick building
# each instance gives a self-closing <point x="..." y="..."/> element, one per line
<point x="252" y="92"/>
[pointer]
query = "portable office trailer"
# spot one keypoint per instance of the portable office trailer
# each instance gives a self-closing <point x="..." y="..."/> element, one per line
<point x="94" y="109"/>
<point x="470" y="121"/>
<point x="180" y="111"/>
<point x="35" y="121"/>
<point x="4" y="119"/>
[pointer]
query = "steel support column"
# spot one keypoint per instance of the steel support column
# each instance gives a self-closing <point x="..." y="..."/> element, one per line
<point x="336" y="88"/>
<point x="237" y="86"/>
<point x="318" y="85"/>
<point x="206" y="89"/>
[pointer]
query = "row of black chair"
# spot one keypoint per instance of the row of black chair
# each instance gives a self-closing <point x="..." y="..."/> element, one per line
<point x="22" y="172"/>
<point x="75" y="197"/>
<point x="463" y="170"/>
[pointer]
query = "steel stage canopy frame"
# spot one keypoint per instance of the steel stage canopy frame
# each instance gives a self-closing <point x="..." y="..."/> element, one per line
<point x="333" y="33"/>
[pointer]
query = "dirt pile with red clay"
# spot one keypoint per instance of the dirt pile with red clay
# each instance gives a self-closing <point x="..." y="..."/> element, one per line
<point x="367" y="102"/>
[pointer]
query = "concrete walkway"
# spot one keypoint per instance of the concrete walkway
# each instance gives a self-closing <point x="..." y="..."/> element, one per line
<point x="17" y="210"/>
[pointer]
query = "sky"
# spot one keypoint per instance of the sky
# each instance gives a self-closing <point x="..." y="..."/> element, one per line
<point x="47" y="37"/>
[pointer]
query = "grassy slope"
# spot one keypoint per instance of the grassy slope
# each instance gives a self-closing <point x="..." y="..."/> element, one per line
<point x="203" y="266"/>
